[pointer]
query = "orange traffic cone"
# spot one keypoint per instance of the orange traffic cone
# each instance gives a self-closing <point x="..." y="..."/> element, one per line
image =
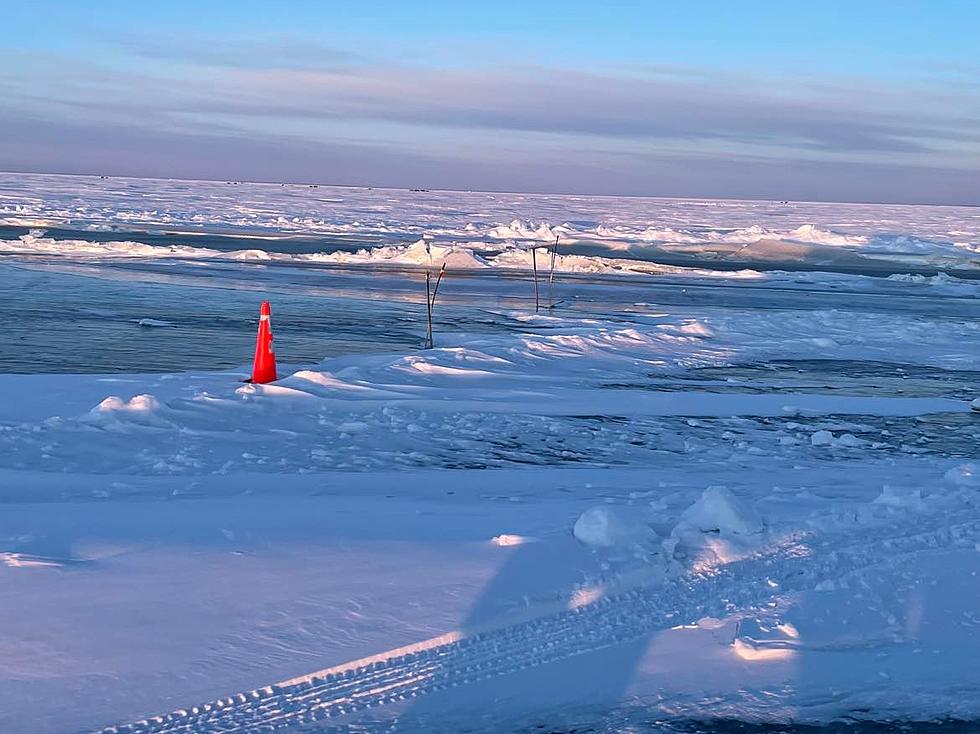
<point x="264" y="367"/>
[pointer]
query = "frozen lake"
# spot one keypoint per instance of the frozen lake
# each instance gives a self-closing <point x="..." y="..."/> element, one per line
<point x="81" y="315"/>
<point x="727" y="485"/>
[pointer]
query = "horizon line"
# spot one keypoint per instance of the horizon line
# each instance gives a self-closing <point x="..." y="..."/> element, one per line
<point x="4" y="172"/>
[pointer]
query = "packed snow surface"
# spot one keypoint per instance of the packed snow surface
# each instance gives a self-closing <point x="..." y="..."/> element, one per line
<point x="687" y="495"/>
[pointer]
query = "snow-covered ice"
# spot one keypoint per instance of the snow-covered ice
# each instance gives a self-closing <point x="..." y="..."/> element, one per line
<point x="472" y="229"/>
<point x="688" y="491"/>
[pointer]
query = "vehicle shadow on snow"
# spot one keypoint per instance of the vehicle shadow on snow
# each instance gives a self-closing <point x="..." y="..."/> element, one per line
<point x="520" y="683"/>
<point x="872" y="636"/>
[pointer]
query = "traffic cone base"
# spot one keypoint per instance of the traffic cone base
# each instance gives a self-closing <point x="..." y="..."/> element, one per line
<point x="264" y="366"/>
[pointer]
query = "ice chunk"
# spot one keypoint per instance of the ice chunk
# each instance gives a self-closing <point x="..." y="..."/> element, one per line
<point x="850" y="440"/>
<point x="814" y="235"/>
<point x="607" y="527"/>
<point x="136" y="404"/>
<point x="822" y="438"/>
<point x="719" y="511"/>
<point x="116" y="412"/>
<point x="845" y="440"/>
<point x="964" y="475"/>
<point x="905" y="499"/>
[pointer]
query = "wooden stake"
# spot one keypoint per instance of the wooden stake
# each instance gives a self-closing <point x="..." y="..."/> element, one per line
<point x="428" y="309"/>
<point x="430" y="301"/>
<point x="534" y="266"/>
<point x="551" y="274"/>
<point x="435" y="291"/>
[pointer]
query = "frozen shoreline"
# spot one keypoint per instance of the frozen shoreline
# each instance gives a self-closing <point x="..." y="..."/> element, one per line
<point x="697" y="496"/>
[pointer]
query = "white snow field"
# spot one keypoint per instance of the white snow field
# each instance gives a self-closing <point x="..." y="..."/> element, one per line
<point x="691" y="493"/>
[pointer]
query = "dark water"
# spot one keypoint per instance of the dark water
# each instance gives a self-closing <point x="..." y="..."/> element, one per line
<point x="288" y="244"/>
<point x="81" y="316"/>
<point x="59" y="321"/>
<point x="65" y="323"/>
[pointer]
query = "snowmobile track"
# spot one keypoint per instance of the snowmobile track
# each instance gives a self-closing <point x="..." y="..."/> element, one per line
<point x="455" y="659"/>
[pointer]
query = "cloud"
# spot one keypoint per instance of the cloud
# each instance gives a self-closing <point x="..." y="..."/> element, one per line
<point x="36" y="145"/>
<point x="259" y="109"/>
<point x="276" y="52"/>
<point x="574" y="102"/>
<point x="78" y="147"/>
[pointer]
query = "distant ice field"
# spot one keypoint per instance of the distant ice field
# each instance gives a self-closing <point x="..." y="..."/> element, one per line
<point x="92" y="216"/>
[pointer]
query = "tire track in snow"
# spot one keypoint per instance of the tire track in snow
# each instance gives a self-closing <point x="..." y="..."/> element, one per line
<point x="456" y="659"/>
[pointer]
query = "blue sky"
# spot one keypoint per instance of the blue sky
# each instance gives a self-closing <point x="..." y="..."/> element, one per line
<point x="865" y="101"/>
